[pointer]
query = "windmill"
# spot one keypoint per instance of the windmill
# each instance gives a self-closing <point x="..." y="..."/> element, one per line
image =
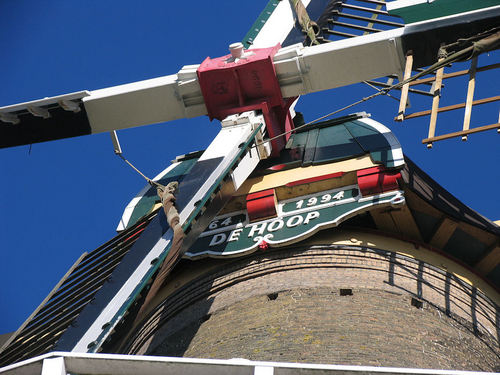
<point x="68" y="111"/>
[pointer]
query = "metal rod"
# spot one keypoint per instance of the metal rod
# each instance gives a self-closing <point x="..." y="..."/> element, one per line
<point x="378" y="2"/>
<point x="358" y="27"/>
<point x="339" y="33"/>
<point x="370" y="10"/>
<point x="461" y="133"/>
<point x="382" y="84"/>
<point x="362" y="18"/>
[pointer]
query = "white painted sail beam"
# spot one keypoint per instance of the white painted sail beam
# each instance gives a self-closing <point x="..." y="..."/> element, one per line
<point x="146" y="102"/>
<point x="300" y="70"/>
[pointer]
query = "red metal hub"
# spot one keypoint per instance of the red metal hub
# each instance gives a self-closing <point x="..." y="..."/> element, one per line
<point x="234" y="85"/>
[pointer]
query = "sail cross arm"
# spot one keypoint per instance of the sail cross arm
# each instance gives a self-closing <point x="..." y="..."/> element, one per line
<point x="300" y="70"/>
<point x="145" y="102"/>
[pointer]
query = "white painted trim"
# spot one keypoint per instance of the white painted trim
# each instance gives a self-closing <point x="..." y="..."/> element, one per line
<point x="44" y="102"/>
<point x="226" y="145"/>
<point x="53" y="366"/>
<point x="405" y="3"/>
<point x="119" y="364"/>
<point x="263" y="370"/>
<point x="278" y="26"/>
<point x="397" y="152"/>
<point x="108" y="314"/>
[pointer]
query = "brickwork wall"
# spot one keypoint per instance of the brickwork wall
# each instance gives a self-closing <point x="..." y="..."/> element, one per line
<point x="286" y="305"/>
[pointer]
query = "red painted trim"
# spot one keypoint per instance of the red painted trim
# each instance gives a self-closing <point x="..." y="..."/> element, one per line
<point x="316" y="178"/>
<point x="377" y="180"/>
<point x="278" y="167"/>
<point x="261" y="205"/>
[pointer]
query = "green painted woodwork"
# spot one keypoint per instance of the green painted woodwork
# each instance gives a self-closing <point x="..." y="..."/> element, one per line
<point x="325" y="142"/>
<point x="233" y="235"/>
<point x="336" y="143"/>
<point x="439" y="8"/>
<point x="259" y="23"/>
<point x="150" y="198"/>
<point x="199" y="208"/>
<point x="372" y="141"/>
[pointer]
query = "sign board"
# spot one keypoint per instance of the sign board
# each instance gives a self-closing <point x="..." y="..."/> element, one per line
<point x="297" y="219"/>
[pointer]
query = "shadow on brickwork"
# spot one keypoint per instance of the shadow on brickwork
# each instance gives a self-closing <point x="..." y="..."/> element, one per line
<point x="477" y="302"/>
<point x="172" y="327"/>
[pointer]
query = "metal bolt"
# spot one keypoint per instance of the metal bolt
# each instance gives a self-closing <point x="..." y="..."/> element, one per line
<point x="91" y="344"/>
<point x="236" y="50"/>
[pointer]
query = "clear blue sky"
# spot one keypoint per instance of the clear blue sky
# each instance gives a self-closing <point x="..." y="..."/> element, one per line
<point x="66" y="197"/>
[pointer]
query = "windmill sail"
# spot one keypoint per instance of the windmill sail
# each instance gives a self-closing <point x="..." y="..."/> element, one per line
<point x="318" y="178"/>
<point x="300" y="70"/>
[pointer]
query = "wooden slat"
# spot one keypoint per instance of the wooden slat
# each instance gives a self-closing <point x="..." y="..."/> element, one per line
<point x="364" y="9"/>
<point x="383" y="220"/>
<point x="339" y="33"/>
<point x="435" y="102"/>
<point x="454" y="106"/>
<point x="378" y="2"/>
<point x="405" y="223"/>
<point x="49" y="296"/>
<point x="470" y="96"/>
<point x="461" y="133"/>
<point x="366" y="29"/>
<point x="362" y="18"/>
<point x="373" y="17"/>
<point x="455" y="74"/>
<point x="443" y="233"/>
<point x="489" y="261"/>
<point x="404" y="90"/>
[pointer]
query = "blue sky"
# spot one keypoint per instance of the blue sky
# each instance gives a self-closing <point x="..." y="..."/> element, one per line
<point x="61" y="198"/>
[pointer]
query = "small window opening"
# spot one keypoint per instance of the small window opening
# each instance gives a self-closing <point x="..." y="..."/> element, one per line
<point x="272" y="296"/>
<point x="417" y="303"/>
<point x="346" y="292"/>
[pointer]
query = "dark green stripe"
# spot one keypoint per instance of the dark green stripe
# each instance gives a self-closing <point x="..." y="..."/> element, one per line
<point x="259" y="23"/>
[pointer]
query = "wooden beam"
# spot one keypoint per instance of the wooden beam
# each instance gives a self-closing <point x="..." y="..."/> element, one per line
<point x="405" y="223"/>
<point x="435" y="102"/>
<point x="404" y="90"/>
<point x="454" y="106"/>
<point x="383" y="220"/>
<point x="455" y="74"/>
<point x="470" y="96"/>
<point x="461" y="133"/>
<point x="489" y="261"/>
<point x="443" y="233"/>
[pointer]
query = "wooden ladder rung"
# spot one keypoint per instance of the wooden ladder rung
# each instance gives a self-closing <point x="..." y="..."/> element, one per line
<point x="461" y="133"/>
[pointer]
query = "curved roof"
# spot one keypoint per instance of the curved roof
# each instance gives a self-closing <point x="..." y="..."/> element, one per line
<point x="325" y="142"/>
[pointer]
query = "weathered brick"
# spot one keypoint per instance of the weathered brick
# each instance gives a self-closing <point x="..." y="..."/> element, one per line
<point x="227" y="313"/>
